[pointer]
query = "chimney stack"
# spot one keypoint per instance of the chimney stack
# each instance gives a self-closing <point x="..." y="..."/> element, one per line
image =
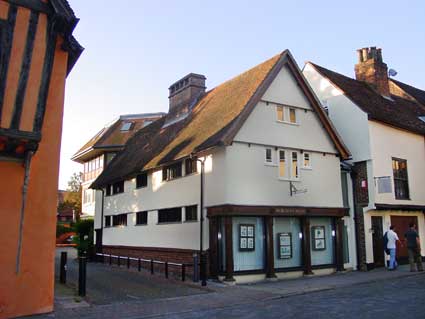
<point x="371" y="69"/>
<point x="186" y="92"/>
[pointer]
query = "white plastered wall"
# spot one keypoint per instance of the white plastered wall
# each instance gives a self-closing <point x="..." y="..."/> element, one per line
<point x="386" y="225"/>
<point x="388" y="142"/>
<point x="181" y="192"/>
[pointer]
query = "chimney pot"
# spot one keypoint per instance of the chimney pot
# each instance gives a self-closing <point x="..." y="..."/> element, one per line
<point x="184" y="93"/>
<point x="372" y="69"/>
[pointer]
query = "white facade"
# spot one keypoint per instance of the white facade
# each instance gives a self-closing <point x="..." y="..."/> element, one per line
<point x="239" y="174"/>
<point x="376" y="143"/>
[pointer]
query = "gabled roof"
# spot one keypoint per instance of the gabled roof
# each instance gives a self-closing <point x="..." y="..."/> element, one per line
<point x="417" y="94"/>
<point x="112" y="138"/>
<point x="214" y="121"/>
<point x="394" y="110"/>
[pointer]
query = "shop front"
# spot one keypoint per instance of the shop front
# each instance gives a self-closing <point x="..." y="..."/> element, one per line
<point x="274" y="242"/>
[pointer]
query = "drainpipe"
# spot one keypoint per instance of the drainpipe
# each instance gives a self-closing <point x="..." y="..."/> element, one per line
<point x="101" y="218"/>
<point x="27" y="164"/>
<point x="353" y="176"/>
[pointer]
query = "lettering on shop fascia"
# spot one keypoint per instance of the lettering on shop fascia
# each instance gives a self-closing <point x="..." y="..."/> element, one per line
<point x="294" y="211"/>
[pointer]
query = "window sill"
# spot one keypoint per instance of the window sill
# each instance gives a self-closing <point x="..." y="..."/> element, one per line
<point x="169" y="223"/>
<point x="190" y="221"/>
<point x="141" y="187"/>
<point x="270" y="164"/>
<point x="403" y="198"/>
<point x="114" y="194"/>
<point x="289" y="180"/>
<point x="307" y="168"/>
<point x="286" y="122"/>
<point x="140" y="224"/>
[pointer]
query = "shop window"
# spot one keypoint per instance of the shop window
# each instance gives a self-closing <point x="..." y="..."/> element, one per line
<point x="191" y="213"/>
<point x="322" y="236"/>
<point x="142" y="180"/>
<point x="252" y="237"/>
<point x="287" y="237"/>
<point x="170" y="215"/>
<point x="141" y="218"/>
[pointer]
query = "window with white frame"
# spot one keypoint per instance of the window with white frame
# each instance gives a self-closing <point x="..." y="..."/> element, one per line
<point x="307" y="160"/>
<point x="286" y="114"/>
<point x="288" y="165"/>
<point x="269" y="156"/>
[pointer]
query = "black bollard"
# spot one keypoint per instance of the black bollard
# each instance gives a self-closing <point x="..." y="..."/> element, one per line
<point x="203" y="269"/>
<point x="195" y="268"/>
<point x="62" y="273"/>
<point x="82" y="276"/>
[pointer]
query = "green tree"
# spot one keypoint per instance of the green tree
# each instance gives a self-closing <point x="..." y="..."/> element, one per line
<point x="72" y="197"/>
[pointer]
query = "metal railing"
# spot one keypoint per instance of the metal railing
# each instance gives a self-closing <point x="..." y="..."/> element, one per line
<point x="126" y="260"/>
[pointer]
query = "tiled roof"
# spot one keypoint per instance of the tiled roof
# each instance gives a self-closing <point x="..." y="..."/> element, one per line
<point x="113" y="136"/>
<point x="214" y="121"/>
<point x="416" y="93"/>
<point x="395" y="111"/>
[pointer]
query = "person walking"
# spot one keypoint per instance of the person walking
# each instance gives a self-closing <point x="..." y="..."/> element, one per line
<point x="414" y="248"/>
<point x="391" y="246"/>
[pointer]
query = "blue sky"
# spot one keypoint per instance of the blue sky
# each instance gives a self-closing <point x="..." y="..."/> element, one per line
<point x="135" y="49"/>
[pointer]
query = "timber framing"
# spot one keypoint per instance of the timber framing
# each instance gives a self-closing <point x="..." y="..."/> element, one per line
<point x="275" y="211"/>
<point x="400" y="207"/>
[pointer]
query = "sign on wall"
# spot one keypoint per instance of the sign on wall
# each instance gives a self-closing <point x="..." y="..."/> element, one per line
<point x="246" y="237"/>
<point x="284" y="241"/>
<point x="318" y="237"/>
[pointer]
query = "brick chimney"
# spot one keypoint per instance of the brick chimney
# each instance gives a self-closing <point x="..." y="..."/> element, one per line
<point x="186" y="91"/>
<point x="371" y="69"/>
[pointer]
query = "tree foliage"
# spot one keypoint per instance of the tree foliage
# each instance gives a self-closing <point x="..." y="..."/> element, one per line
<point x="84" y="236"/>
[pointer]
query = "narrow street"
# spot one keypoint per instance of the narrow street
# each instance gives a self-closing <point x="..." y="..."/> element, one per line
<point x="400" y="298"/>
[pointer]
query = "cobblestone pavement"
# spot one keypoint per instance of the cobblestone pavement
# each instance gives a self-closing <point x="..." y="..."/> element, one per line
<point x="108" y="284"/>
<point x="399" y="298"/>
<point x="119" y="293"/>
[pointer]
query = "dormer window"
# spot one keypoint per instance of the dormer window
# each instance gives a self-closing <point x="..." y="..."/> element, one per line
<point x="125" y="127"/>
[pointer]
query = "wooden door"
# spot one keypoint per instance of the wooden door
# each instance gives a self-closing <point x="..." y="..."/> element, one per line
<point x="378" y="241"/>
<point x="401" y="224"/>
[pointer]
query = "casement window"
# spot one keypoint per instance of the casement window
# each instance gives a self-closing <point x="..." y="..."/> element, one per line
<point x="107" y="221"/>
<point x="282" y="164"/>
<point x="269" y="156"/>
<point x="172" y="171"/>
<point x="141" y="218"/>
<point x="288" y="165"/>
<point x="142" y="180"/>
<point x="190" y="165"/>
<point x="294" y="165"/>
<point x="280" y="112"/>
<point x="170" y="215"/>
<point x="115" y="188"/>
<point x="119" y="220"/>
<point x="286" y="114"/>
<point x="191" y="213"/>
<point x="401" y="182"/>
<point x="306" y="160"/>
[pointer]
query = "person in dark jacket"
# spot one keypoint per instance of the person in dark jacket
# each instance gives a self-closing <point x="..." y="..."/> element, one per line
<point x="414" y="248"/>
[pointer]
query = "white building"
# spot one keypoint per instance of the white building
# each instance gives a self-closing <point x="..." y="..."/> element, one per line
<point x="99" y="151"/>
<point x="273" y="195"/>
<point x="382" y="122"/>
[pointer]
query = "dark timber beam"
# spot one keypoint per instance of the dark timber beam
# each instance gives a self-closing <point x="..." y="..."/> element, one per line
<point x="229" y="248"/>
<point x="35" y="5"/>
<point x="306" y="246"/>
<point x="213" y="230"/>
<point x="270" y="273"/>
<point x="339" y="244"/>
